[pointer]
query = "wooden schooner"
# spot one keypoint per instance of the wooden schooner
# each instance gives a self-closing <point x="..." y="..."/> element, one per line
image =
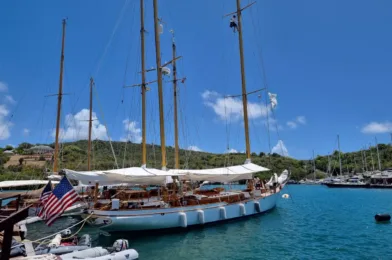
<point x="132" y="210"/>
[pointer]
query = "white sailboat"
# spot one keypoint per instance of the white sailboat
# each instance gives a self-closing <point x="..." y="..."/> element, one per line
<point x="180" y="209"/>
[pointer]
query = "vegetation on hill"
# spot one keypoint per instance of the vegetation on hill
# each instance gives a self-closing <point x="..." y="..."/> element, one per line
<point x="73" y="155"/>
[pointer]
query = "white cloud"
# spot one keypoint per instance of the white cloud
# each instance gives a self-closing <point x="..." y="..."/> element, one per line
<point x="194" y="148"/>
<point x="377" y="128"/>
<point x="5" y="126"/>
<point x="209" y="94"/>
<point x="26" y="132"/>
<point x="3" y="87"/>
<point x="76" y="127"/>
<point x="232" y="108"/>
<point x="133" y="132"/>
<point x="231" y="151"/>
<point x="10" y="99"/>
<point x="280" y="148"/>
<point x="299" y="120"/>
<point x="292" y="124"/>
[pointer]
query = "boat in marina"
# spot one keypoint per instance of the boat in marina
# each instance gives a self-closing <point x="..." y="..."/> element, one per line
<point x="174" y="204"/>
<point x="351" y="182"/>
<point x="381" y="180"/>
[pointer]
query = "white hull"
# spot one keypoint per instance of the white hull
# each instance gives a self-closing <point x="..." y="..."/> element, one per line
<point x="180" y="217"/>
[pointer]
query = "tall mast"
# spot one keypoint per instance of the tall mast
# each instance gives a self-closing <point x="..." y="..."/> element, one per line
<point x="371" y="156"/>
<point x="59" y="98"/>
<point x="142" y="45"/>
<point x="159" y="77"/>
<point x="378" y="155"/>
<point x="90" y="125"/>
<point x="329" y="165"/>
<point x="314" y="168"/>
<point x="363" y="162"/>
<point x="176" y="147"/>
<point x="365" y="157"/>
<point x="340" y="159"/>
<point x="243" y="81"/>
<point x="391" y="139"/>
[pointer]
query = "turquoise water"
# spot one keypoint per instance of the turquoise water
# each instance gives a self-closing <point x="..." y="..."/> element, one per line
<point x="315" y="223"/>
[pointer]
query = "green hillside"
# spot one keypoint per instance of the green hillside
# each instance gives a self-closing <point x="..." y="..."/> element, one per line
<point x="73" y="155"/>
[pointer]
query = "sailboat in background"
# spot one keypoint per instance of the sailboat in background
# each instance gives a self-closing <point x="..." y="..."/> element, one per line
<point x="346" y="182"/>
<point x="163" y="209"/>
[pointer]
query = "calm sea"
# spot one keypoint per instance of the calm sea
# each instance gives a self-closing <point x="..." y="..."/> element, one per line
<point x="316" y="222"/>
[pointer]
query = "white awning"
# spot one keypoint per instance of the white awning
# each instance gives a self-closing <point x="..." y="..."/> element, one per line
<point x="225" y="174"/>
<point x="132" y="175"/>
<point x="19" y="183"/>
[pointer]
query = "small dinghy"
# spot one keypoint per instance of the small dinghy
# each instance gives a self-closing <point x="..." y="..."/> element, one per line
<point x="60" y="245"/>
<point x="119" y="251"/>
<point x="62" y="249"/>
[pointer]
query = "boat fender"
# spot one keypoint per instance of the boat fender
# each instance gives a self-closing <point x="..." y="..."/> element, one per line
<point x="55" y="241"/>
<point x="242" y="209"/>
<point x="121" y="244"/>
<point x="183" y="220"/>
<point x="382" y="217"/>
<point x="200" y="215"/>
<point x="257" y="207"/>
<point x="129" y="254"/>
<point x="222" y="211"/>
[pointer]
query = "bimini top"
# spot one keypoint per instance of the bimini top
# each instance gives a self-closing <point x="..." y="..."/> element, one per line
<point x="225" y="174"/>
<point x="132" y="175"/>
<point x="19" y="183"/>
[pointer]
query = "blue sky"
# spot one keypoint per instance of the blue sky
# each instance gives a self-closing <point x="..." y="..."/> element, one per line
<point x="329" y="63"/>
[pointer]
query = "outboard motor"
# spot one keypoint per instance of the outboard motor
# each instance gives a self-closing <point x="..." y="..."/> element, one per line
<point x="120" y="245"/>
<point x="66" y="232"/>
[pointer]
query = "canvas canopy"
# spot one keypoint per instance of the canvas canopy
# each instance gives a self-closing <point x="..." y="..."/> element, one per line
<point x="132" y="175"/>
<point x="224" y="174"/>
<point x="19" y="183"/>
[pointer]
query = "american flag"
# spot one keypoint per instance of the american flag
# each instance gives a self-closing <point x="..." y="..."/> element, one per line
<point x="62" y="197"/>
<point x="46" y="192"/>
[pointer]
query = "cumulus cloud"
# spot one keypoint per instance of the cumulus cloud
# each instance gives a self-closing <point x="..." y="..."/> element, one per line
<point x="133" y="133"/>
<point x="232" y="108"/>
<point x="231" y="151"/>
<point x="3" y="87"/>
<point x="5" y="126"/>
<point x="280" y="148"/>
<point x="76" y="127"/>
<point x="299" y="120"/>
<point x="10" y="99"/>
<point x="377" y="128"/>
<point x="26" y="132"/>
<point x="194" y="148"/>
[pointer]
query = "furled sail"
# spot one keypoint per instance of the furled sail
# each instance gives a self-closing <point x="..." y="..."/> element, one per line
<point x="224" y="174"/>
<point x="132" y="175"/>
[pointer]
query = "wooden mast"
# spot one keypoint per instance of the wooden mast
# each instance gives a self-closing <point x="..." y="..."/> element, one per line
<point x="142" y="45"/>
<point x="243" y="81"/>
<point x="59" y="99"/>
<point x="90" y="125"/>
<point x="176" y="147"/>
<point x="159" y="78"/>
